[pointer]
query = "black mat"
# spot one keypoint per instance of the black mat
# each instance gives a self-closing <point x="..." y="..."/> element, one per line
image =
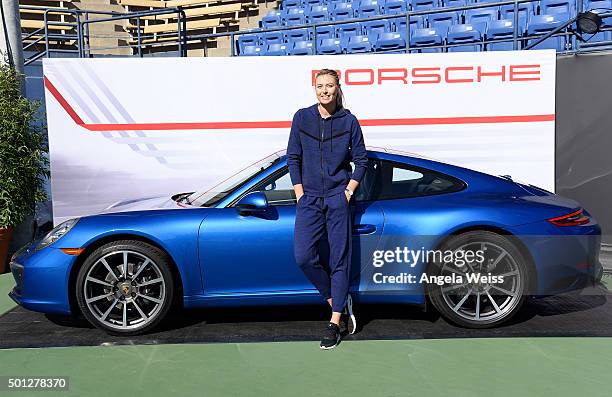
<point x="586" y="313"/>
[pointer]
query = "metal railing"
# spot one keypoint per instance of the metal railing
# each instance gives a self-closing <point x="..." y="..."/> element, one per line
<point x="80" y="31"/>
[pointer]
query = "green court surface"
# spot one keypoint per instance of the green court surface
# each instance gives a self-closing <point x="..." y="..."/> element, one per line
<point x="6" y="284"/>
<point x="452" y="367"/>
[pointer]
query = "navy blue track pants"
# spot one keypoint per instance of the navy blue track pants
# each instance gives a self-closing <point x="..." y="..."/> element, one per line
<point x="314" y="216"/>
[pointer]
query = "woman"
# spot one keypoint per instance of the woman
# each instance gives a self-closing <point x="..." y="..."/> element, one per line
<point x="324" y="139"/>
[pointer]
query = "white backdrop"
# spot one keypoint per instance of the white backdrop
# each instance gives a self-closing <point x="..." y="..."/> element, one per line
<point x="125" y="128"/>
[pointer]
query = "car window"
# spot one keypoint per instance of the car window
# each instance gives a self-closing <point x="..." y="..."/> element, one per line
<point x="397" y="180"/>
<point x="278" y="188"/>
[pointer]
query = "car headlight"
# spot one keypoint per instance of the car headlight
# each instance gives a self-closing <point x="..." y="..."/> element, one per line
<point x="57" y="233"/>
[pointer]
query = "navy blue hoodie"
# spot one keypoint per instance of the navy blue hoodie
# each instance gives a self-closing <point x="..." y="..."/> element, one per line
<point x="320" y="150"/>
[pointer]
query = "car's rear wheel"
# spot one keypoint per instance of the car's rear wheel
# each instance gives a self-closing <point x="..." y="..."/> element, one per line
<point x="125" y="287"/>
<point x="480" y="303"/>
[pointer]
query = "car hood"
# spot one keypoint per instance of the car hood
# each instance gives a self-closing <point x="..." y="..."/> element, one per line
<point x="144" y="203"/>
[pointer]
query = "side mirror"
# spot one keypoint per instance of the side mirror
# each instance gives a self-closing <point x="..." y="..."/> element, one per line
<point x="252" y="203"/>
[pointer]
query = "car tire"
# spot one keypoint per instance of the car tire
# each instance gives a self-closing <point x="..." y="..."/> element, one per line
<point x="473" y="304"/>
<point x="125" y="287"/>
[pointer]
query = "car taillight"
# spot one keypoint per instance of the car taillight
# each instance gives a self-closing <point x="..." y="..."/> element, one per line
<point x="573" y="219"/>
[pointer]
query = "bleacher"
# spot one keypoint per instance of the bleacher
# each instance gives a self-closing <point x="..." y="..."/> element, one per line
<point x="364" y="26"/>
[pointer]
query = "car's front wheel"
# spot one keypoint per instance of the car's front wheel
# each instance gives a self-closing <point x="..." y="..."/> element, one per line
<point x="470" y="300"/>
<point x="125" y="287"/>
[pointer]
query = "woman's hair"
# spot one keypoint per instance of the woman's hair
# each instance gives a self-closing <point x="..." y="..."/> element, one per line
<point x="334" y="74"/>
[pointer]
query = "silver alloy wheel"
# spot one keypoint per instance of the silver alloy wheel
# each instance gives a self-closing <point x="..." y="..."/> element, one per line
<point x="484" y="301"/>
<point x="124" y="290"/>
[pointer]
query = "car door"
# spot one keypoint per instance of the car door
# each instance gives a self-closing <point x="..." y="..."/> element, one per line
<point x="254" y="253"/>
<point x="415" y="203"/>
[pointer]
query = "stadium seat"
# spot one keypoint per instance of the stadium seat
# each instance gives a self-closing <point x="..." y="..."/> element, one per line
<point x="349" y="29"/>
<point x="317" y="14"/>
<point x="502" y="29"/>
<point x="456" y="3"/>
<point x="312" y="3"/>
<point x="395" y="7"/>
<point x="427" y="37"/>
<point x="325" y="32"/>
<point x="542" y="24"/>
<point x="464" y="34"/>
<point x="375" y="28"/>
<point x="423" y="5"/>
<point x="368" y="8"/>
<point x="342" y="11"/>
<point x="399" y="24"/>
<point x="253" y="50"/>
<point x="245" y="40"/>
<point x="480" y="17"/>
<point x="330" y="46"/>
<point x="566" y="8"/>
<point x="302" y="34"/>
<point x="525" y="12"/>
<point x="267" y="38"/>
<point x="278" y="49"/>
<point x="302" y="48"/>
<point x="358" y="44"/>
<point x="390" y="41"/>
<point x="295" y="16"/>
<point x="443" y="19"/>
<point x="272" y="19"/>
<point x="286" y="4"/>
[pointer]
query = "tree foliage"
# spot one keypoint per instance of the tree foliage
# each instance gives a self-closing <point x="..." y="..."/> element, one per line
<point x="24" y="163"/>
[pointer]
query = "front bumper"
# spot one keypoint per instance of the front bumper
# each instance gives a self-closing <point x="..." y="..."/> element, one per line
<point x="42" y="279"/>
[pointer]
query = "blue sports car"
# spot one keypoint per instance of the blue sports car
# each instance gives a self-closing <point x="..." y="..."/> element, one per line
<point x="124" y="269"/>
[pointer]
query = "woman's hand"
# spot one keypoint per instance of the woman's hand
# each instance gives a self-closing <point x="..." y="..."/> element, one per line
<point x="297" y="198"/>
<point x="348" y="196"/>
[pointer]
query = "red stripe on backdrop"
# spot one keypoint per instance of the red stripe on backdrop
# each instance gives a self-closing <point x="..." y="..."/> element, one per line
<point x="287" y="124"/>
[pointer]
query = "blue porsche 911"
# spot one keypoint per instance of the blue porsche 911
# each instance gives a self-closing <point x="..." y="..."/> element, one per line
<point x="126" y="268"/>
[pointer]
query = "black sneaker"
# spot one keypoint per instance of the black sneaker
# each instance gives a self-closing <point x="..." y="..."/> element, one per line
<point x="331" y="337"/>
<point x="348" y="317"/>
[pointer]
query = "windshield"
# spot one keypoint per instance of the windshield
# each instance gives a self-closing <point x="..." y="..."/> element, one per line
<point x="220" y="191"/>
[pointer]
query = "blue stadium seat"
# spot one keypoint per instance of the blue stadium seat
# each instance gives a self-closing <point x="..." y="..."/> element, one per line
<point x="278" y="49"/>
<point x="390" y="41"/>
<point x="349" y="29"/>
<point x="342" y="11"/>
<point x="244" y="40"/>
<point x="302" y="48"/>
<point x="312" y="3"/>
<point x="330" y="46"/>
<point x="398" y="24"/>
<point x="267" y="38"/>
<point x="295" y="16"/>
<point x="325" y="32"/>
<point x="456" y="3"/>
<point x="368" y="8"/>
<point x="253" y="50"/>
<point x="525" y="12"/>
<point x="395" y="7"/>
<point x="375" y="28"/>
<point x="317" y="14"/>
<point x="423" y="5"/>
<point x="427" y="37"/>
<point x="566" y="8"/>
<point x="502" y="29"/>
<point x="542" y="24"/>
<point x="481" y="17"/>
<point x="358" y="44"/>
<point x="286" y="4"/>
<point x="444" y="19"/>
<point x="301" y="34"/>
<point x="272" y="19"/>
<point x="464" y="34"/>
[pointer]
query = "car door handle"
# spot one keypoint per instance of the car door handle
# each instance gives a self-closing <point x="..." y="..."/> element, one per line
<point x="364" y="229"/>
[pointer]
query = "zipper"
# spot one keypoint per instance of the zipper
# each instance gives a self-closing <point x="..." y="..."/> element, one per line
<point x="321" y="152"/>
